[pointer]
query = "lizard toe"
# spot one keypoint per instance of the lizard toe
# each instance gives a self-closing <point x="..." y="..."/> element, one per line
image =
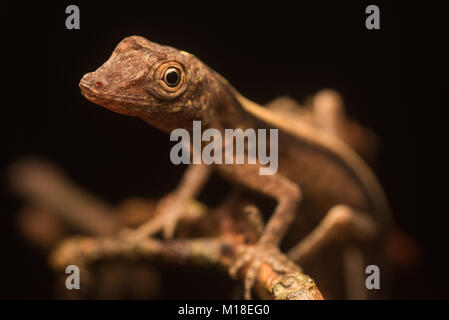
<point x="253" y="258"/>
<point x="241" y="262"/>
<point x="250" y="278"/>
<point x="169" y="228"/>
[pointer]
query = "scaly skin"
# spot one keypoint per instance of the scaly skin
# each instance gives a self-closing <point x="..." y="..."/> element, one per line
<point x="316" y="171"/>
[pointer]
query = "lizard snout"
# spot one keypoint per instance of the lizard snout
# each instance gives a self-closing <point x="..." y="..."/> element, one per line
<point x="93" y="87"/>
<point x="92" y="81"/>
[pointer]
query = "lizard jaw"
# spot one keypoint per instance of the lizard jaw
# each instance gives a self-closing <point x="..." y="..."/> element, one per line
<point x="114" y="103"/>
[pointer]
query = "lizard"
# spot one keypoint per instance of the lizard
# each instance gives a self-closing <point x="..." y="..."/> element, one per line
<point x="318" y="175"/>
<point x="326" y="110"/>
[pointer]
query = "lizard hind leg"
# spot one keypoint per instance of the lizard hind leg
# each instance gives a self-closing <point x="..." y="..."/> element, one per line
<point x="341" y="223"/>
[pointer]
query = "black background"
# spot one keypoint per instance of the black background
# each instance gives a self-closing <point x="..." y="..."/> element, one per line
<point x="388" y="78"/>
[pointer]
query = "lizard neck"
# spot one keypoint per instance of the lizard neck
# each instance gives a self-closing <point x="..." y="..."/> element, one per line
<point x="227" y="111"/>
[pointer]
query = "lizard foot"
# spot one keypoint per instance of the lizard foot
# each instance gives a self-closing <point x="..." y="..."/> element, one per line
<point x="172" y="210"/>
<point x="169" y="211"/>
<point x="254" y="258"/>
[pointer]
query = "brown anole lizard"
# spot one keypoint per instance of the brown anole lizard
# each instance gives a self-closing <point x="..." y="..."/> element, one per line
<point x="318" y="176"/>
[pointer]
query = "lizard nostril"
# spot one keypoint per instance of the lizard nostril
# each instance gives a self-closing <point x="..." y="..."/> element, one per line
<point x="99" y="84"/>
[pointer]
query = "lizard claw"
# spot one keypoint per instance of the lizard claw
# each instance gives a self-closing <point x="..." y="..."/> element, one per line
<point x="168" y="230"/>
<point x="240" y="262"/>
<point x="254" y="258"/>
<point x="169" y="211"/>
<point x="250" y="278"/>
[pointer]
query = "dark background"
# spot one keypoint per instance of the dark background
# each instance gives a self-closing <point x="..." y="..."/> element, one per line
<point x="388" y="78"/>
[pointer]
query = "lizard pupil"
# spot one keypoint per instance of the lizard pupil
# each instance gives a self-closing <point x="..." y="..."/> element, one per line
<point x="172" y="77"/>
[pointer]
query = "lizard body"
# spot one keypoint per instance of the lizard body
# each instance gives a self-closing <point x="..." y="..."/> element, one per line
<point x="169" y="89"/>
<point x="325" y="157"/>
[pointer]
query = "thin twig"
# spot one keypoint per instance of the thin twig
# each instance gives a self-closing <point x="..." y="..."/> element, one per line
<point x="212" y="252"/>
<point x="234" y="227"/>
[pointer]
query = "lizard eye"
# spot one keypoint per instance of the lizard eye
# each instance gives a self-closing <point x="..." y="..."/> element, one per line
<point x="172" y="77"/>
<point x="167" y="80"/>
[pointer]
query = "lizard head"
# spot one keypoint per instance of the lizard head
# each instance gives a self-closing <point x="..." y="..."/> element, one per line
<point x="160" y="84"/>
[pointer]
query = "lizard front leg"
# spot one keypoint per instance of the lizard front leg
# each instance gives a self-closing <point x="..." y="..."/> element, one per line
<point x="286" y="193"/>
<point x="170" y="208"/>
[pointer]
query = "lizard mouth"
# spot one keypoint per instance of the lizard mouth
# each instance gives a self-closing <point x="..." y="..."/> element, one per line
<point x="112" y="102"/>
<point x="93" y="95"/>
